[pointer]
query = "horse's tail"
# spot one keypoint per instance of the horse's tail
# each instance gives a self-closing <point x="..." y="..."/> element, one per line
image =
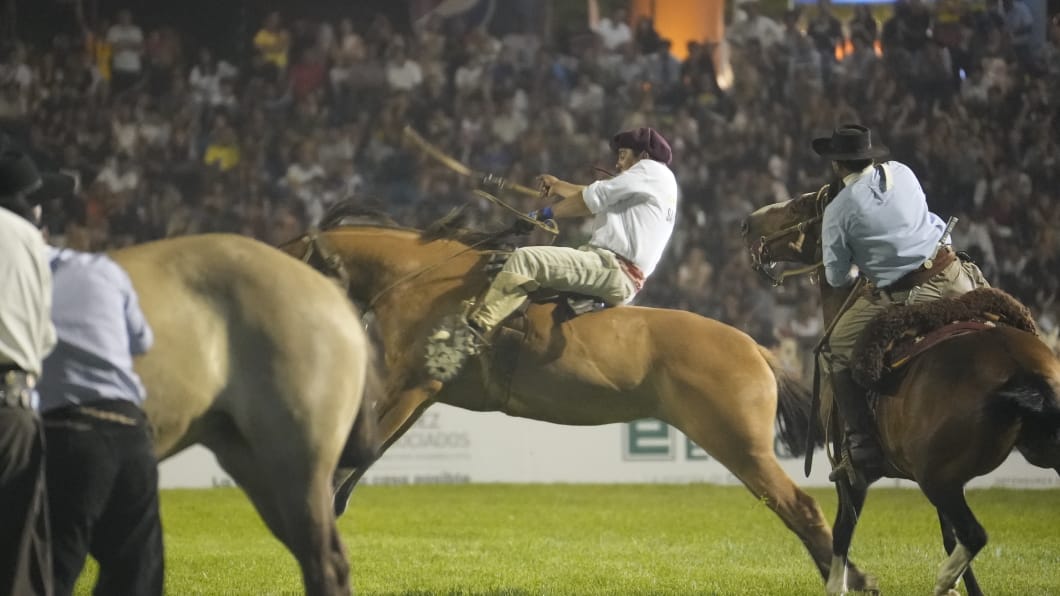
<point x="1034" y="399"/>
<point x="795" y="420"/>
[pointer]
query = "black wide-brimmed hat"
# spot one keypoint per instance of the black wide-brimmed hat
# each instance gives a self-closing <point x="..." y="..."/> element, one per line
<point x="19" y="177"/>
<point x="644" y="139"/>
<point x="849" y="142"/>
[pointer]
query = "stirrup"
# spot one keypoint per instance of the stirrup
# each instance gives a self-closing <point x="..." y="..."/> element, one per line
<point x="857" y="474"/>
<point x="846" y="467"/>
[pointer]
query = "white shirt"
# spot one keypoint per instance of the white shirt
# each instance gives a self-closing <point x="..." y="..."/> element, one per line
<point x="613" y="34"/>
<point x="26" y="331"/>
<point x="762" y="28"/>
<point x="126" y="60"/>
<point x="403" y="77"/>
<point x="117" y="182"/>
<point x="635" y="213"/>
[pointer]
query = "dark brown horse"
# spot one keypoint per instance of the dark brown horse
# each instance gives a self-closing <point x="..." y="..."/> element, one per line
<point x="957" y="412"/>
<point x="707" y="379"/>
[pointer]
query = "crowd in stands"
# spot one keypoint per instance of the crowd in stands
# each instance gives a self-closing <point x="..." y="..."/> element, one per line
<point x="168" y="138"/>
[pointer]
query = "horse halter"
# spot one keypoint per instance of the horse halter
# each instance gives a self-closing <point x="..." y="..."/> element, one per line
<point x="762" y="260"/>
<point x="333" y="266"/>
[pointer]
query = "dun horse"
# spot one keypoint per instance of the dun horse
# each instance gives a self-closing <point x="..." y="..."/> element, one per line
<point x="263" y="361"/>
<point x="955" y="413"/>
<point x="707" y="379"/>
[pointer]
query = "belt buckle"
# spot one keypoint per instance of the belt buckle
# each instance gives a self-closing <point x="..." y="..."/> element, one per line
<point x="928" y="264"/>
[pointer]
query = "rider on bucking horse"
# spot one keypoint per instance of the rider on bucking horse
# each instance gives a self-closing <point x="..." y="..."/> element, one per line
<point x="879" y="221"/>
<point x="634" y="218"/>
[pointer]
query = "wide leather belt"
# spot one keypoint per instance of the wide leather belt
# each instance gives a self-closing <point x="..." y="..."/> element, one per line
<point x="931" y="267"/>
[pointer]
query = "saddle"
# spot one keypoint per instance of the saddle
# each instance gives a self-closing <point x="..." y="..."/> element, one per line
<point x="898" y="334"/>
<point x="499" y="355"/>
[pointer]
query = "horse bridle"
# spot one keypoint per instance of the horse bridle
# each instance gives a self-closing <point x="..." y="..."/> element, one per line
<point x="333" y="265"/>
<point x="763" y="262"/>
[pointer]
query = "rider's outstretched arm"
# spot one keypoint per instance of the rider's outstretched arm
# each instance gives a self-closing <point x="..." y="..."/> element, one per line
<point x="572" y="205"/>
<point x="571" y="202"/>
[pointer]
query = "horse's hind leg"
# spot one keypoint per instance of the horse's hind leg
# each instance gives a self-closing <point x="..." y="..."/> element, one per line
<point x="851" y="502"/>
<point x="949" y="541"/>
<point x="292" y="493"/>
<point x="755" y="464"/>
<point x="971" y="537"/>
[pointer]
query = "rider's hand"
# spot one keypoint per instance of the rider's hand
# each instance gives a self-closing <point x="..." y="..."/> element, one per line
<point x="524" y="227"/>
<point x="547" y="182"/>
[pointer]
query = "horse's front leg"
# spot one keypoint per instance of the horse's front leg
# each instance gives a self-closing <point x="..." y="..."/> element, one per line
<point x="397" y="418"/>
<point x="851" y="501"/>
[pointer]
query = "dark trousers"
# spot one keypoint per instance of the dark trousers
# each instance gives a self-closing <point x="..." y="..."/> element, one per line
<point x="103" y="496"/>
<point x="25" y="561"/>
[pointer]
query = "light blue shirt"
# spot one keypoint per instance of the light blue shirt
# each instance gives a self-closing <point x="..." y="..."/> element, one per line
<point x="100" y="326"/>
<point x="883" y="228"/>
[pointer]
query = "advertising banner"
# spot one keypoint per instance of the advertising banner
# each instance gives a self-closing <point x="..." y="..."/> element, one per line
<point x="450" y="445"/>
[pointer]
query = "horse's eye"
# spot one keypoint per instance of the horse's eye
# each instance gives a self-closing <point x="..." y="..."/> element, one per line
<point x="744" y="227"/>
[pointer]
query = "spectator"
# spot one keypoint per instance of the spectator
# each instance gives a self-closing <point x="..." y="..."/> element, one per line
<point x="223" y="152"/>
<point x="127" y="40"/>
<point x="645" y="35"/>
<point x="206" y="76"/>
<point x="863" y="24"/>
<point x="272" y="42"/>
<point x="614" y="31"/>
<point x="754" y="26"/>
<point x="827" y="34"/>
<point x="402" y="73"/>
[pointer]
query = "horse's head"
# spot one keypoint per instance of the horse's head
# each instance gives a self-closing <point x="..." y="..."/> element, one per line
<point x="786" y="232"/>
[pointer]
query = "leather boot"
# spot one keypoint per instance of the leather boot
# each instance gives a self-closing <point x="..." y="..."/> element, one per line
<point x="862" y="458"/>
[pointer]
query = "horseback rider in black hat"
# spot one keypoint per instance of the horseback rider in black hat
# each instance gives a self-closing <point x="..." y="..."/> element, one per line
<point x="878" y="221"/>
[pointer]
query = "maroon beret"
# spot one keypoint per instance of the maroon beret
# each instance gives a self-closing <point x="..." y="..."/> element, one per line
<point x="644" y="139"/>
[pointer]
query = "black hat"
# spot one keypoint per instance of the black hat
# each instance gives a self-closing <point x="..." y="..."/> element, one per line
<point x="849" y="142"/>
<point x="19" y="177"/>
<point x="644" y="139"/>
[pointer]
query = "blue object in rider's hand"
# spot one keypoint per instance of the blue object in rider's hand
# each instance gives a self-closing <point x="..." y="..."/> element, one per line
<point x="541" y="215"/>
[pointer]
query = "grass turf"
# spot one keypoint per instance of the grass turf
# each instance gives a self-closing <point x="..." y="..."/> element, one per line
<point x="621" y="539"/>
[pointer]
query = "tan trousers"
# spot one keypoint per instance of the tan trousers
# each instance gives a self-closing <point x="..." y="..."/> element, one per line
<point x="587" y="270"/>
<point x="956" y="279"/>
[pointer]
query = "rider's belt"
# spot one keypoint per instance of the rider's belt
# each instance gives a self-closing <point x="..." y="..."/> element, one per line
<point x="632" y="271"/>
<point x="16" y="387"/>
<point x="930" y="268"/>
<point x="115" y="411"/>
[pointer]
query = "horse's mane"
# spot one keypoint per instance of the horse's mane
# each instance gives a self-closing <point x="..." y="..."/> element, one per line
<point x="351" y="212"/>
<point x="451" y="226"/>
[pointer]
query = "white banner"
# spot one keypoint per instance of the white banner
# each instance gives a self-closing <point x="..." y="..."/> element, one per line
<point x="450" y="445"/>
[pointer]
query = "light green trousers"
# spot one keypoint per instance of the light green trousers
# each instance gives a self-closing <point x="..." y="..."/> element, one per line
<point x="587" y="270"/>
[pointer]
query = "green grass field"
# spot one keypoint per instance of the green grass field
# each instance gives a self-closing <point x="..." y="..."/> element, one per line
<point x="562" y="539"/>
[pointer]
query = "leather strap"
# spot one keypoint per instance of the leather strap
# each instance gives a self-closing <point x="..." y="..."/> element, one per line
<point x="921" y="274"/>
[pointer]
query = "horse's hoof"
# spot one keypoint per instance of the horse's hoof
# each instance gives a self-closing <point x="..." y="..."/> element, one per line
<point x="865" y="583"/>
